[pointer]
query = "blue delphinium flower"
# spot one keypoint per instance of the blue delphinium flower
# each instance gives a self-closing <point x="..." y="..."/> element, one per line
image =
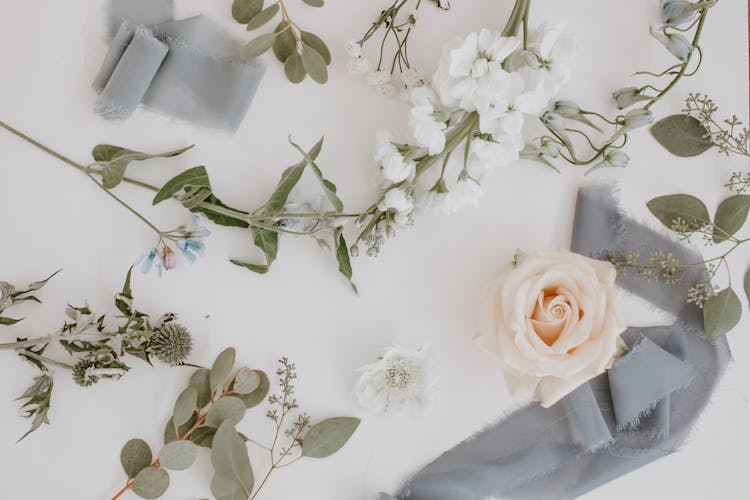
<point x="147" y="261"/>
<point x="191" y="248"/>
<point x="678" y="45"/>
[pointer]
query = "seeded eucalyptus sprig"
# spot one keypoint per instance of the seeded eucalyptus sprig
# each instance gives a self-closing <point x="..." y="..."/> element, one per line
<point x="301" y="52"/>
<point x="205" y="415"/>
<point x="95" y="351"/>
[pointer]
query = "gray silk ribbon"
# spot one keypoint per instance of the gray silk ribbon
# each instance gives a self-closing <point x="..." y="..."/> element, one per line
<point x="640" y="410"/>
<point x="189" y="69"/>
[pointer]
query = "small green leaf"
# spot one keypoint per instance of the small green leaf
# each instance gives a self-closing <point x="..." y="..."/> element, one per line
<point x="257" y="46"/>
<point x="256" y="268"/>
<point x="730" y="217"/>
<point x="687" y="208"/>
<point x="219" y="218"/>
<point x="285" y="44"/>
<point x="746" y="284"/>
<point x="227" y="489"/>
<point x="246" y="381"/>
<point x="178" y="455"/>
<point x="244" y="10"/>
<point x="314" y="3"/>
<point x="721" y="313"/>
<point x="185" y="406"/>
<point x="682" y="135"/>
<point x="203" y="436"/>
<point x="135" y="456"/>
<point x="151" y="482"/>
<point x="314" y="64"/>
<point x="289" y="179"/>
<point x="193" y="183"/>
<point x="39" y="284"/>
<point x="9" y="321"/>
<point x="258" y="395"/>
<point x="227" y="409"/>
<point x="222" y="368"/>
<point x="328" y="436"/>
<point x="201" y="381"/>
<point x="318" y="44"/>
<point x="329" y="188"/>
<point x="294" y="69"/>
<point x="229" y="458"/>
<point x="342" y="256"/>
<point x="115" y="160"/>
<point x="263" y="17"/>
<point x="170" y="433"/>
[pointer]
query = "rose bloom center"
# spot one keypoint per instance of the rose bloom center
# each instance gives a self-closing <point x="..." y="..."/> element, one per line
<point x="552" y="313"/>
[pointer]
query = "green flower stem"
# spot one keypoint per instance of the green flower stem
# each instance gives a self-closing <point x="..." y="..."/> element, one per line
<point x="518" y="17"/>
<point x="45" y="359"/>
<point x="27" y="343"/>
<point x="453" y="139"/>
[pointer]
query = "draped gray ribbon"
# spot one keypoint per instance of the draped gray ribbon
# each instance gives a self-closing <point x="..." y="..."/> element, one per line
<point x="189" y="68"/>
<point x="640" y="410"/>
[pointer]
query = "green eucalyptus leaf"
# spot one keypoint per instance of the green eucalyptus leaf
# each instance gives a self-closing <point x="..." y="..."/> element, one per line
<point x="185" y="406"/>
<point x="258" y="395"/>
<point x="285" y="44"/>
<point x="135" y="456"/>
<point x="227" y="489"/>
<point x="721" y="313"/>
<point x="203" y="436"/>
<point x="257" y="46"/>
<point x="314" y="64"/>
<point x="201" y="381"/>
<point x="688" y="208"/>
<point x="730" y="217"/>
<point x="682" y="135"/>
<point x="342" y="256"/>
<point x="294" y="69"/>
<point x="222" y="368"/>
<point x="329" y="188"/>
<point x="115" y="160"/>
<point x="230" y="459"/>
<point x="178" y="455"/>
<point x="228" y="408"/>
<point x="191" y="186"/>
<point x="170" y="433"/>
<point x="317" y="43"/>
<point x="244" y="10"/>
<point x="151" y="482"/>
<point x="246" y="381"/>
<point x="314" y="3"/>
<point x="746" y="284"/>
<point x="328" y="436"/>
<point x="263" y="17"/>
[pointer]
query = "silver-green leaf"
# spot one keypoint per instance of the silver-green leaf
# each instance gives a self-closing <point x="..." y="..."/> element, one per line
<point x="258" y="46"/>
<point x="230" y="459"/>
<point x="294" y="69"/>
<point x="178" y="455"/>
<point x="316" y="43"/>
<point x="115" y="160"/>
<point x="314" y="3"/>
<point x="684" y="207"/>
<point x="192" y="185"/>
<point x="682" y="135"/>
<point x="328" y="436"/>
<point x="201" y="380"/>
<point x="244" y="10"/>
<point x="246" y="381"/>
<point x="721" y="313"/>
<point x="263" y="17"/>
<point x="151" y="482"/>
<point x="314" y="64"/>
<point x="285" y="44"/>
<point x="258" y="395"/>
<point x="222" y="368"/>
<point x="185" y="406"/>
<point x="730" y="217"/>
<point x="746" y="284"/>
<point x="227" y="409"/>
<point x="135" y="456"/>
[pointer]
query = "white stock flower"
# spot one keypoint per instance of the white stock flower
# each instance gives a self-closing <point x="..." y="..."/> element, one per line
<point x="465" y="193"/>
<point x="398" y="200"/>
<point x="401" y="380"/>
<point x="428" y="132"/>
<point x="486" y="156"/>
<point x="392" y="163"/>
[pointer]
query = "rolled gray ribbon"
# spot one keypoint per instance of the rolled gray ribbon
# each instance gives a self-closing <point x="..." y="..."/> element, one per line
<point x="189" y="69"/>
<point x="640" y="410"/>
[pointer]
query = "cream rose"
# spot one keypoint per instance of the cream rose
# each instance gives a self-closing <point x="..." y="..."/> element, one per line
<point x="554" y="321"/>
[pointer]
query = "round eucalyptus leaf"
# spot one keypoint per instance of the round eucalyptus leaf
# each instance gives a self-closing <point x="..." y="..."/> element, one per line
<point x="263" y="17"/>
<point x="721" y="313"/>
<point x="226" y="409"/>
<point x="246" y="381"/>
<point x="682" y="135"/>
<point x="178" y="455"/>
<point x="151" y="482"/>
<point x="222" y="368"/>
<point x="318" y="44"/>
<point x="285" y="44"/>
<point x="135" y="456"/>
<point x="730" y="217"/>
<point x="244" y="10"/>
<point x="314" y="3"/>
<point x="230" y="459"/>
<point x="258" y="395"/>
<point x="294" y="69"/>
<point x="185" y="406"/>
<point x="170" y="433"/>
<point x="686" y="208"/>
<point x="201" y="380"/>
<point x="258" y="46"/>
<point x="203" y="436"/>
<point x="314" y="64"/>
<point x="328" y="436"/>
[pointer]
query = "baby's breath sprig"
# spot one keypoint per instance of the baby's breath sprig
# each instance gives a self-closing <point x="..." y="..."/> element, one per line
<point x="679" y="20"/>
<point x="95" y="351"/>
<point x="396" y="23"/>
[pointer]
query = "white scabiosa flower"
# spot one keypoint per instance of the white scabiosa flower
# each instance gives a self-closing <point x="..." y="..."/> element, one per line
<point x="359" y="65"/>
<point x="353" y="48"/>
<point x="393" y="165"/>
<point x="401" y="380"/>
<point x="378" y="77"/>
<point x="386" y="90"/>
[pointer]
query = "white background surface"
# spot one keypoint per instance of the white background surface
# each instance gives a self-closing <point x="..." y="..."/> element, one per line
<point x="422" y="289"/>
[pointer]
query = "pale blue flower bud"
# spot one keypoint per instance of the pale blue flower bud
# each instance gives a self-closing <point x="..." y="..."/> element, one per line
<point x="612" y="158"/>
<point x="626" y="97"/>
<point x="678" y="45"/>
<point x="678" y="12"/>
<point x="637" y="118"/>
<point x="567" y="109"/>
<point x="556" y="124"/>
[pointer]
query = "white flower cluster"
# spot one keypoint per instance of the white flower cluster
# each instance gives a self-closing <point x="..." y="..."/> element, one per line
<point x="484" y="73"/>
<point x="383" y="82"/>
